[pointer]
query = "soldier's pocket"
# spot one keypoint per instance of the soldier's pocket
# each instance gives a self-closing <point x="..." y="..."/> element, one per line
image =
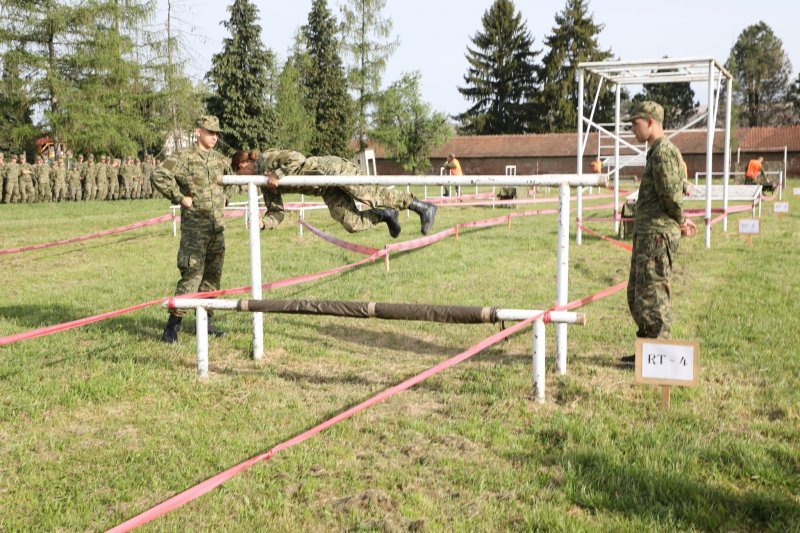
<point x="186" y="260"/>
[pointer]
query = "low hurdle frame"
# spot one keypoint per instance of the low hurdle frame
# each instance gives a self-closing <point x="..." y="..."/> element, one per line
<point x="563" y="181"/>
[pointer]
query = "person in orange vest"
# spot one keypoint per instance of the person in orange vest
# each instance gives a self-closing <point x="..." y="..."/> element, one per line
<point x="755" y="169"/>
<point x="454" y="168"/>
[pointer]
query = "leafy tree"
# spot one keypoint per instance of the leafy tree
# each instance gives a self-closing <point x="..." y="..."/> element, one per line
<point x="16" y="106"/>
<point x="323" y="77"/>
<point x="295" y="129"/>
<point x="794" y="99"/>
<point x="407" y="127"/>
<point x="677" y="99"/>
<point x="574" y="40"/>
<point x="240" y="78"/>
<point x="365" y="41"/>
<point x="501" y="77"/>
<point x="761" y="71"/>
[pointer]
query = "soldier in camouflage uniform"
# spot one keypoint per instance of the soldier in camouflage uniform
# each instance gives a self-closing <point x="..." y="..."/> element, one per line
<point x="341" y="200"/>
<point x="189" y="179"/>
<point x="11" y="181"/>
<point x="74" y="183"/>
<point x="147" y="169"/>
<point x="26" y="190"/>
<point x="659" y="223"/>
<point x="102" y="178"/>
<point x="90" y="179"/>
<point x="59" y="178"/>
<point x="42" y="171"/>
<point x="126" y="177"/>
<point x="137" y="178"/>
<point x="114" y="188"/>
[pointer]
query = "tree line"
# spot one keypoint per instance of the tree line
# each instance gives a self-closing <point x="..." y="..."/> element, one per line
<point x="104" y="75"/>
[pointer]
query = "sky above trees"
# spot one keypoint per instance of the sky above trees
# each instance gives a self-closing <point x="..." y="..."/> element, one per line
<point x="434" y="35"/>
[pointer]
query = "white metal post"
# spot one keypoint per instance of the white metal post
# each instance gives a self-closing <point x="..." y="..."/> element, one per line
<point x="255" y="267"/>
<point x="580" y="153"/>
<point x="202" y="341"/>
<point x="785" y="165"/>
<point x="302" y="213"/>
<point x="538" y="360"/>
<point x="727" y="172"/>
<point x="616" y="157"/>
<point x="709" y="150"/>
<point x="562" y="275"/>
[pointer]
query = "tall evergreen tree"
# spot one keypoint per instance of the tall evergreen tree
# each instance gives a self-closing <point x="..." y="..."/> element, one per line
<point x="407" y="127"/>
<point x="365" y="41"/>
<point x="574" y="40"/>
<point x="677" y="99"/>
<point x="761" y="71"/>
<point x="16" y="106"/>
<point x="323" y="77"/>
<point x="295" y="129"/>
<point x="794" y="99"/>
<point x="240" y="79"/>
<point x="501" y="77"/>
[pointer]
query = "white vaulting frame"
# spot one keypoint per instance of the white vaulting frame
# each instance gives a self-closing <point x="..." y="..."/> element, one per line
<point x="620" y="73"/>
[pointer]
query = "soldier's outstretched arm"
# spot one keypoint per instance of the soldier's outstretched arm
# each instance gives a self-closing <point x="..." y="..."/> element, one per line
<point x="165" y="182"/>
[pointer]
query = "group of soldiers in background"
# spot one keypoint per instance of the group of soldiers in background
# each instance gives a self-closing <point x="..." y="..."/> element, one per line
<point x="68" y="178"/>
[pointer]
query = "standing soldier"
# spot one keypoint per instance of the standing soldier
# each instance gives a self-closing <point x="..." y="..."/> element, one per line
<point x="113" y="180"/>
<point x="59" y="175"/>
<point x="147" y="170"/>
<point x="102" y="178"/>
<point x="189" y="179"/>
<point x="126" y="176"/>
<point x="26" y="190"/>
<point x="12" y="181"/>
<point x="137" y="178"/>
<point x="90" y="179"/>
<point x="42" y="171"/>
<point x="74" y="182"/>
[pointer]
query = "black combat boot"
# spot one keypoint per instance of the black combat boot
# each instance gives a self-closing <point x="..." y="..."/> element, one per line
<point x="426" y="212"/>
<point x="214" y="330"/>
<point x="390" y="216"/>
<point x="171" y="330"/>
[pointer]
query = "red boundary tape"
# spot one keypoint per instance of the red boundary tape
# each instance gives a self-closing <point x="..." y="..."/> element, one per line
<point x="211" y="483"/>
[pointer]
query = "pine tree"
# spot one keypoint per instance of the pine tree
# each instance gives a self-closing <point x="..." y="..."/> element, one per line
<point x="501" y="78"/>
<point x="16" y="106"/>
<point x="407" y="127"/>
<point x="323" y="78"/>
<point x="574" y="40"/>
<point x="794" y="99"/>
<point x="241" y="82"/>
<point x="295" y="129"/>
<point x="365" y="41"/>
<point x="761" y="71"/>
<point x="677" y="99"/>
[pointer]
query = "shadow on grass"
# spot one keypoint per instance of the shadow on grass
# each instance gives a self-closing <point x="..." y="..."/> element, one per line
<point x="604" y="485"/>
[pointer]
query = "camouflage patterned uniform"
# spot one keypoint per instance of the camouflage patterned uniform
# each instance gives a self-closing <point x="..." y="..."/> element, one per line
<point x="193" y="172"/>
<point x="59" y="178"/>
<point x="90" y="179"/>
<point x="113" y="180"/>
<point x="341" y="200"/>
<point x="658" y="215"/>
<point x="126" y="176"/>
<point x="74" y="183"/>
<point x="11" y="180"/>
<point x="147" y="169"/>
<point x="42" y="170"/>
<point x="101" y="177"/>
<point x="26" y="190"/>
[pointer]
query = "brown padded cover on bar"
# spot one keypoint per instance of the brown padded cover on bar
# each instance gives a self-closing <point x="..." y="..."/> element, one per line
<point x="454" y="314"/>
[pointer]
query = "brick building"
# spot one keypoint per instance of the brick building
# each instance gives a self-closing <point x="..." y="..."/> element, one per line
<point x="555" y="153"/>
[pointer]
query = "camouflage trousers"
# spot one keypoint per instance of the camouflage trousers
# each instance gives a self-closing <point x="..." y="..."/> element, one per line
<point x="26" y="190"/>
<point x="649" y="283"/>
<point x="45" y="191"/>
<point x="341" y="202"/>
<point x="11" y="190"/>
<point x="200" y="258"/>
<point x="59" y="190"/>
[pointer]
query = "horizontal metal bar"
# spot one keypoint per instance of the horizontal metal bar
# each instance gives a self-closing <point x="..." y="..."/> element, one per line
<point x="544" y="180"/>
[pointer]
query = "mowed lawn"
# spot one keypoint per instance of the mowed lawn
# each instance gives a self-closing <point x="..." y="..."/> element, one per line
<point x="102" y="422"/>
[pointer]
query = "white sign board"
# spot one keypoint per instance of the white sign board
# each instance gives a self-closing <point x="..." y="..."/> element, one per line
<point x="796" y="191"/>
<point x="781" y="207"/>
<point x="749" y="226"/>
<point x="667" y="362"/>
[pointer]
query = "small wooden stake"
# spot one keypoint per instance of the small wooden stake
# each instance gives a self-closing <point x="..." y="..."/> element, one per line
<point x="749" y="240"/>
<point x="456" y="233"/>
<point x="509" y="221"/>
<point x="665" y="396"/>
<point x="386" y="260"/>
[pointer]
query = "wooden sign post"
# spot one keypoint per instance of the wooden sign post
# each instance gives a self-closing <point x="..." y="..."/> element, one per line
<point x="667" y="363"/>
<point x="749" y="227"/>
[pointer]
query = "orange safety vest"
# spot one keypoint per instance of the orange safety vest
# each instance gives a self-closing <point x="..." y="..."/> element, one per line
<point x="753" y="169"/>
<point x="457" y="170"/>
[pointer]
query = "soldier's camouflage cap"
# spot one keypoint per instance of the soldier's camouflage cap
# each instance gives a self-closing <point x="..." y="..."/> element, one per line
<point x="208" y="122"/>
<point x="645" y="109"/>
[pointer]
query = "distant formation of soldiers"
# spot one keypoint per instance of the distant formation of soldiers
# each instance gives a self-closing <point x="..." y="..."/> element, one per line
<point x="68" y="178"/>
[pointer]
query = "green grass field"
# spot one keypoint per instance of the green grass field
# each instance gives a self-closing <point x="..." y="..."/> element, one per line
<point x="102" y="422"/>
